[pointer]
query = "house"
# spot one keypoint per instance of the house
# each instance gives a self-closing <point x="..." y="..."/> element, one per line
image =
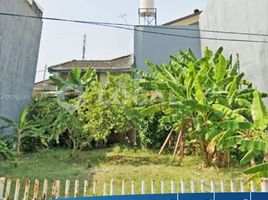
<point x="192" y="19"/>
<point x="156" y="43"/>
<point x="19" y="47"/>
<point x="114" y="66"/>
<point x="247" y="17"/>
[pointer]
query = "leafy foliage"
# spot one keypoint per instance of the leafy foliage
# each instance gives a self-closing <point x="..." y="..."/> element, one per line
<point x="24" y="128"/>
<point x="110" y="108"/>
<point x="207" y="98"/>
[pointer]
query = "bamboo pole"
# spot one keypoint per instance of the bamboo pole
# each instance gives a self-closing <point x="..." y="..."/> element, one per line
<point x="166" y="141"/>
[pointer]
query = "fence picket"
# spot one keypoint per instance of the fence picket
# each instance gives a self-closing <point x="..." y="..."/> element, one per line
<point x="132" y="187"/>
<point x="192" y="186"/>
<point x="182" y="187"/>
<point x="162" y="187"/>
<point x="152" y="187"/>
<point x="112" y="188"/>
<point x="53" y="190"/>
<point x="232" y="185"/>
<point x="252" y="186"/>
<point x="94" y="188"/>
<point x="242" y="186"/>
<point x="44" y="192"/>
<point x="2" y="186"/>
<point x="57" y="192"/>
<point x="85" y="188"/>
<point x="36" y="189"/>
<point x="202" y="186"/>
<point x="104" y="189"/>
<point x="222" y="186"/>
<point x="8" y="187"/>
<point x="67" y="188"/>
<point x="123" y="187"/>
<point x="27" y="189"/>
<point x="142" y="187"/>
<point x="76" y="188"/>
<point x="212" y="186"/>
<point x="172" y="186"/>
<point x="17" y="189"/>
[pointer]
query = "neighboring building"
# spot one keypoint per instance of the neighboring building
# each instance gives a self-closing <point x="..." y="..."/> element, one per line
<point x="19" y="47"/>
<point x="235" y="16"/>
<point x="188" y="20"/>
<point x="115" y="66"/>
<point x="156" y="43"/>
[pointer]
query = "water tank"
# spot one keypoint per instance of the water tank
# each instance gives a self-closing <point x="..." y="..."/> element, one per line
<point x="147" y="8"/>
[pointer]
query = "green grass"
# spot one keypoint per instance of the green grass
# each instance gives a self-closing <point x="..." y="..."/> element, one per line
<point x="115" y="163"/>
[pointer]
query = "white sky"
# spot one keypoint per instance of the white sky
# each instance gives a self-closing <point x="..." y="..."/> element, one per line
<point x="62" y="41"/>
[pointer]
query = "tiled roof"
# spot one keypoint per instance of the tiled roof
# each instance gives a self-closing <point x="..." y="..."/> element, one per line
<point x="118" y="64"/>
<point x="187" y="20"/>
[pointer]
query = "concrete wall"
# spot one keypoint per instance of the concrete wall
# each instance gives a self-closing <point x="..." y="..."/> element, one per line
<point x="157" y="47"/>
<point x="19" y="46"/>
<point x="240" y="16"/>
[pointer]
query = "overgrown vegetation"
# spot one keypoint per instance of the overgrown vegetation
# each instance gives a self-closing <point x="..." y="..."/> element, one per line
<point x="204" y="107"/>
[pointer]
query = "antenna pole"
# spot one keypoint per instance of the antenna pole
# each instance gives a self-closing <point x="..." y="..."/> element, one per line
<point x="84" y="47"/>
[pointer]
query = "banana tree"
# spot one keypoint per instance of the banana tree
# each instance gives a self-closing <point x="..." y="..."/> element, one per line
<point x="207" y="98"/>
<point x="77" y="81"/>
<point x="24" y="128"/>
<point x="255" y="143"/>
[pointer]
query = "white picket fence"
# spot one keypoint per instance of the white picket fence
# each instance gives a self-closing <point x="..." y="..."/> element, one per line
<point x="56" y="188"/>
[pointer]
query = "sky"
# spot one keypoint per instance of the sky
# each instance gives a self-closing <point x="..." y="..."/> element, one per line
<point x="62" y="42"/>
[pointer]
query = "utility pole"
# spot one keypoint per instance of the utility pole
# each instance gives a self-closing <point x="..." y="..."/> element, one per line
<point x="45" y="71"/>
<point x="84" y="47"/>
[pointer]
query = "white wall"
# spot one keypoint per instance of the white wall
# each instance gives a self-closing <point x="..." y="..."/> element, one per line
<point x="240" y="16"/>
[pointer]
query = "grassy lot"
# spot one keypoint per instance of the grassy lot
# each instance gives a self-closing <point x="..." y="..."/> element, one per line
<point x="115" y="163"/>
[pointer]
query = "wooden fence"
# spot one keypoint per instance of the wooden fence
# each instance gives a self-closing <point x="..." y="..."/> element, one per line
<point x="10" y="189"/>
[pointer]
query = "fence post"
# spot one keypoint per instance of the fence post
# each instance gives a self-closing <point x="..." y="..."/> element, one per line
<point x="242" y="186"/>
<point x="152" y="187"/>
<point x="162" y="187"/>
<point x="202" y="186"/>
<point x="112" y="188"/>
<point x="53" y="190"/>
<point x="8" y="187"/>
<point x="222" y="186"/>
<point x="57" y="189"/>
<point x="142" y="187"/>
<point x="36" y="189"/>
<point x="132" y="187"/>
<point x="172" y="186"/>
<point x="252" y="186"/>
<point x="2" y="185"/>
<point x="85" y="188"/>
<point x="76" y="188"/>
<point x="123" y="187"/>
<point x="232" y="186"/>
<point x="264" y="184"/>
<point x="27" y="188"/>
<point x="67" y="188"/>
<point x="94" y="188"/>
<point x="212" y="185"/>
<point x="192" y="187"/>
<point x="104" y="189"/>
<point x="44" y="192"/>
<point x="182" y="187"/>
<point x="17" y="189"/>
